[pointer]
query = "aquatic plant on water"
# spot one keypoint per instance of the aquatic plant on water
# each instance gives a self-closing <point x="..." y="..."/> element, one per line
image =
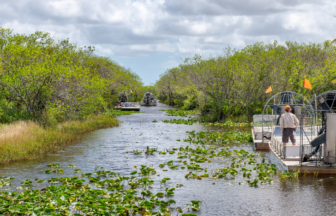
<point x="183" y="113"/>
<point x="210" y="137"/>
<point x="289" y="175"/>
<point x="114" y="113"/>
<point x="101" y="195"/>
<point x="181" y="121"/>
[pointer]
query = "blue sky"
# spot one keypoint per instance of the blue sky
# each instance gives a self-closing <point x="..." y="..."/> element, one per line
<point x="151" y="36"/>
<point x="150" y="66"/>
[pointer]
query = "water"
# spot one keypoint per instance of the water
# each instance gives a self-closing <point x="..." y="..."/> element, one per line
<point x="108" y="147"/>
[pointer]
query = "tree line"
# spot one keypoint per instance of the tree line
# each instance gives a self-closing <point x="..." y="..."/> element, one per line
<point x="53" y="81"/>
<point x="234" y="84"/>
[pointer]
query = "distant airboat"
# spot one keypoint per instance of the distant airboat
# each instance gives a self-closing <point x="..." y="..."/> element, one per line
<point x="149" y="99"/>
<point x="123" y="103"/>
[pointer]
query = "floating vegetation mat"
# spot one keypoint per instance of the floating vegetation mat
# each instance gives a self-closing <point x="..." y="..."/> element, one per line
<point x="218" y="138"/>
<point x="227" y="124"/>
<point x="114" y="113"/>
<point x="181" y="121"/>
<point x="242" y="163"/>
<point x="102" y="192"/>
<point x="183" y="113"/>
<point x="192" y="121"/>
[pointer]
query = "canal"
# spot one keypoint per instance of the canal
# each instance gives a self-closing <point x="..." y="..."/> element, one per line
<point x="226" y="196"/>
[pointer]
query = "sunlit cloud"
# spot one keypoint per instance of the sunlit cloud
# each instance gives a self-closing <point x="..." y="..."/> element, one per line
<point x="135" y="28"/>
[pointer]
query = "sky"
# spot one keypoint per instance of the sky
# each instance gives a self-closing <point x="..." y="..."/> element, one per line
<point x="151" y="36"/>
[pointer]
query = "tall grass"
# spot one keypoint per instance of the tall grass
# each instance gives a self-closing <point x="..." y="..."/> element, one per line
<point x="24" y="140"/>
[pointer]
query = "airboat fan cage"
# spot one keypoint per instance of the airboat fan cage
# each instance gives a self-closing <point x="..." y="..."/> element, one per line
<point x="313" y="124"/>
<point x="274" y="107"/>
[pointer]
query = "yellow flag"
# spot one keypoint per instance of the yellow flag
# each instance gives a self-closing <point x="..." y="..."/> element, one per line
<point x="306" y="84"/>
<point x="269" y="89"/>
<point x="333" y="81"/>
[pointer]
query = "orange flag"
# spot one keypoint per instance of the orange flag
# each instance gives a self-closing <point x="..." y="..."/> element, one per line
<point x="306" y="84"/>
<point x="269" y="89"/>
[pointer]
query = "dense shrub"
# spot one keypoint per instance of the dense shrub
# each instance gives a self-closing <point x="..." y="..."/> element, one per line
<point x="52" y="81"/>
<point x="234" y="84"/>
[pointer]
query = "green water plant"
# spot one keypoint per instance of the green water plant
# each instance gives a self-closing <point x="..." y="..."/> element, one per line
<point x="183" y="113"/>
<point x="53" y="165"/>
<point x="253" y="183"/>
<point x="181" y="121"/>
<point x="218" y="138"/>
<point x="150" y="151"/>
<point x="283" y="176"/>
<point x="77" y="170"/>
<point x="195" y="205"/>
<point x="114" y="113"/>
<point x="27" y="182"/>
<point x="137" y="152"/>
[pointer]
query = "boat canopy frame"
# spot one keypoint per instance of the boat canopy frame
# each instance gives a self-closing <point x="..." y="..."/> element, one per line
<point x="281" y="99"/>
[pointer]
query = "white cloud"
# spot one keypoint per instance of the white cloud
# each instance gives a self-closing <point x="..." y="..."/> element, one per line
<point x="142" y="27"/>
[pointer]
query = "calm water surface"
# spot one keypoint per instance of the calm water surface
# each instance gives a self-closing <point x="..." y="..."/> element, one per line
<point x="108" y="147"/>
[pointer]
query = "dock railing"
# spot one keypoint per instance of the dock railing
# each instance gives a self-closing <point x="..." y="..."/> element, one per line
<point x="290" y="151"/>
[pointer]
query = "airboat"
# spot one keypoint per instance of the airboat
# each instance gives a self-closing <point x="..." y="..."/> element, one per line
<point x="315" y="149"/>
<point x="124" y="105"/>
<point x="128" y="106"/>
<point x="149" y="99"/>
<point x="264" y="128"/>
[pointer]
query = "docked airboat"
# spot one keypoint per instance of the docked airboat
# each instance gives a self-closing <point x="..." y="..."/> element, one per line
<point x="315" y="149"/>
<point x="264" y="125"/>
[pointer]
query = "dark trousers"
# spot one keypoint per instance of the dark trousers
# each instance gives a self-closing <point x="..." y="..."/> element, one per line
<point x="288" y="133"/>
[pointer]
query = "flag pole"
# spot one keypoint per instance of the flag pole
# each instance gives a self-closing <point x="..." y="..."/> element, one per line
<point x="315" y="108"/>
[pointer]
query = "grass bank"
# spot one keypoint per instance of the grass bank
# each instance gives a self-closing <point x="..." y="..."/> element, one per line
<point x="25" y="140"/>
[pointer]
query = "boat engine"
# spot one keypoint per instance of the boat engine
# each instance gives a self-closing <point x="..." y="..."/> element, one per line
<point x="326" y="135"/>
<point x="149" y="99"/>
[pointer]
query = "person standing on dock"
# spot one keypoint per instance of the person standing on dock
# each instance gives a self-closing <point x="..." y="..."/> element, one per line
<point x="288" y="124"/>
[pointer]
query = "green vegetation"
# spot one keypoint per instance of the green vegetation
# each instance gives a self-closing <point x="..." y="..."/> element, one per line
<point x="59" y="89"/>
<point x="191" y="121"/>
<point x="227" y="124"/>
<point x="49" y="81"/>
<point x="183" y="113"/>
<point x="219" y="138"/>
<point x="289" y="175"/>
<point x="234" y="84"/>
<point x="114" y="113"/>
<point x="104" y="194"/>
<point x="181" y="121"/>
<point x="27" y="139"/>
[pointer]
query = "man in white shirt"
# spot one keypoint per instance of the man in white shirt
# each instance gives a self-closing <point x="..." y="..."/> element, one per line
<point x="288" y="124"/>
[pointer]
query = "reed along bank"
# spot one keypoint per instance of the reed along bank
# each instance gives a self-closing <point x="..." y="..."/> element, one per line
<point x="24" y="140"/>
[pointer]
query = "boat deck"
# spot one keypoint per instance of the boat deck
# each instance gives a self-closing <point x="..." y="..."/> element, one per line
<point x="310" y="167"/>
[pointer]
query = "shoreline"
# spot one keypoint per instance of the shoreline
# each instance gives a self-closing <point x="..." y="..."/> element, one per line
<point x="26" y="140"/>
